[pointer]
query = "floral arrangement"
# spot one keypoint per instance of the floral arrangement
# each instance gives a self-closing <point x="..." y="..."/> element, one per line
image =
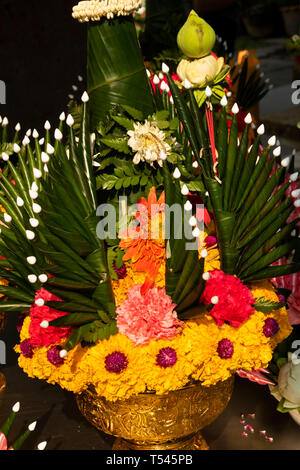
<point x="140" y="241"/>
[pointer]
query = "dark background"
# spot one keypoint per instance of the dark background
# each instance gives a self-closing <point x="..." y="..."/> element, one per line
<point x="42" y="51"/>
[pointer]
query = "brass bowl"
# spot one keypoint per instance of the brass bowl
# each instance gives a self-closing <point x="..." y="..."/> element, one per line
<point x="150" y="421"/>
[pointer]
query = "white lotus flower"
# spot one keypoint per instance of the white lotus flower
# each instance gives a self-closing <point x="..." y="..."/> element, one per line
<point x="149" y="143"/>
<point x="200" y="72"/>
<point x="289" y="383"/>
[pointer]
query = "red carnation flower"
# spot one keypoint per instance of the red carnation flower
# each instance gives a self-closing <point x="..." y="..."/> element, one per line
<point x="45" y="336"/>
<point x="232" y="301"/>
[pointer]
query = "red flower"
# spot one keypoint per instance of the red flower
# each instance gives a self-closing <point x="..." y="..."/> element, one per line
<point x="232" y="301"/>
<point x="45" y="336"/>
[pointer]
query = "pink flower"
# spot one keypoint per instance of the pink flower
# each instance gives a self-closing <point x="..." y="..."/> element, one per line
<point x="45" y="336"/>
<point x="149" y="316"/>
<point x="231" y="300"/>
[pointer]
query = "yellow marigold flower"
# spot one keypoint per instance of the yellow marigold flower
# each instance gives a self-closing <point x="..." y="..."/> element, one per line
<point x="71" y="375"/>
<point x="116" y="367"/>
<point x="165" y="365"/>
<point x="24" y="334"/>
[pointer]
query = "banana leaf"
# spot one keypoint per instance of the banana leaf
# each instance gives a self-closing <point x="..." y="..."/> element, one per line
<point x="115" y="69"/>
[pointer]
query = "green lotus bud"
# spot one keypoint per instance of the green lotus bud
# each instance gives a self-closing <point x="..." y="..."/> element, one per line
<point x="196" y="38"/>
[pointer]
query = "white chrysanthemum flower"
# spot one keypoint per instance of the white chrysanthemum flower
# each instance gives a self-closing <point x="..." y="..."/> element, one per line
<point x="149" y="143"/>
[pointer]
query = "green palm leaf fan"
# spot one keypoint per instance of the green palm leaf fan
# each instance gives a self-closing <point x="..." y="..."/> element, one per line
<point x="249" y="202"/>
<point x="50" y="237"/>
<point x="116" y="73"/>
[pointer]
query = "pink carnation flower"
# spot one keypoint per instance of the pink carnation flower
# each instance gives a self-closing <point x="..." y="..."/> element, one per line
<point x="149" y="316"/>
<point x="45" y="336"/>
<point x="232" y="301"/>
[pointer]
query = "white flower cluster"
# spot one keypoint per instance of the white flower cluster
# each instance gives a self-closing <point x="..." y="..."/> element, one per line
<point x="94" y="10"/>
<point x="148" y="141"/>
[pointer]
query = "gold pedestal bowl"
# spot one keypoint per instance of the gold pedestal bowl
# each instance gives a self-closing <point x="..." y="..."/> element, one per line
<point x="164" y="422"/>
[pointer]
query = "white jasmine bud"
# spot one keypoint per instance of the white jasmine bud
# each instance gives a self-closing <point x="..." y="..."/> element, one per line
<point x="20" y="202"/>
<point x="176" y="173"/>
<point x="296" y="193"/>
<point x="58" y="135"/>
<point x="235" y="109"/>
<point x="261" y="129"/>
<point x="224" y="101"/>
<point x="272" y="141"/>
<point x="7" y="217"/>
<point x="33" y="194"/>
<point x="16" y="407"/>
<point x="34" y="222"/>
<point x="31" y="260"/>
<point x="43" y="278"/>
<point x="277" y="151"/>
<point x="187" y="84"/>
<point x="188" y="206"/>
<point x="184" y="190"/>
<point x="45" y="157"/>
<point x="208" y="92"/>
<point x="50" y="149"/>
<point x="42" y="445"/>
<point x="70" y="120"/>
<point x="165" y="68"/>
<point x="85" y="97"/>
<point x="193" y="221"/>
<point x="294" y="176"/>
<point x="32" y="426"/>
<point x="37" y="173"/>
<point x="36" y="208"/>
<point x="30" y="235"/>
<point x="196" y="232"/>
<point x="248" y="119"/>
<point x="25" y="141"/>
<point x="285" y="162"/>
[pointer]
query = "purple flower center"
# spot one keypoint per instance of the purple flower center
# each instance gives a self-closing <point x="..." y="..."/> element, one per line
<point x="281" y="298"/>
<point x="121" y="272"/>
<point x="26" y="348"/>
<point x="166" y="357"/>
<point x="225" y="349"/>
<point x="210" y="240"/>
<point x="271" y="327"/>
<point x="116" y="362"/>
<point x="54" y="357"/>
